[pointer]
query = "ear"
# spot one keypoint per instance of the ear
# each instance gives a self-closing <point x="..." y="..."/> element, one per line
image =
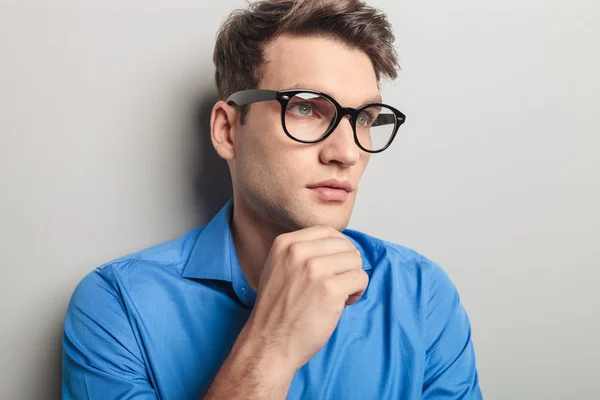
<point x="223" y="122"/>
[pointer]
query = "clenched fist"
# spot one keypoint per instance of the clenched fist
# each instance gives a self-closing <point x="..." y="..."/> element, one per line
<point x="309" y="277"/>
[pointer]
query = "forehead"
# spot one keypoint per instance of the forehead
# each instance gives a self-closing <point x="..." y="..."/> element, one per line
<point x="320" y="63"/>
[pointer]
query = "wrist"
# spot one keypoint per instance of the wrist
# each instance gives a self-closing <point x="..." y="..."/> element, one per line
<point x="257" y="349"/>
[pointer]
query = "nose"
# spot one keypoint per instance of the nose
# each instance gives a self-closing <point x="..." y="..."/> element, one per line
<point x="339" y="147"/>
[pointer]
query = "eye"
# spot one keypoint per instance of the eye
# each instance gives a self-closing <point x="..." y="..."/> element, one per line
<point x="363" y="119"/>
<point x="305" y="109"/>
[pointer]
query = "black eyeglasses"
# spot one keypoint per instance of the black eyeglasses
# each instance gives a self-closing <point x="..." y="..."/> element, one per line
<point x="309" y="116"/>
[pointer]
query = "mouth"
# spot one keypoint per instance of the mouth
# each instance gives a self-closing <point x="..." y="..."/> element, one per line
<point x="332" y="190"/>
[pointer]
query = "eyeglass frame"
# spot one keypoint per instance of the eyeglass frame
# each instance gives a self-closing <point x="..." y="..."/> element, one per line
<point x="245" y="97"/>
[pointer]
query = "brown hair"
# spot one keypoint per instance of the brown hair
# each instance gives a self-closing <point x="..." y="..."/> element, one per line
<point x="238" y="54"/>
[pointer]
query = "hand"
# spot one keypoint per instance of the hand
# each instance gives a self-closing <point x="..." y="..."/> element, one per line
<point x="309" y="277"/>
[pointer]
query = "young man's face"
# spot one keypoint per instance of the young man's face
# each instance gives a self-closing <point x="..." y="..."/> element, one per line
<point x="271" y="172"/>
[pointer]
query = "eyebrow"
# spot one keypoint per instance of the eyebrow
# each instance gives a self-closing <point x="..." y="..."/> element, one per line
<point x="375" y="99"/>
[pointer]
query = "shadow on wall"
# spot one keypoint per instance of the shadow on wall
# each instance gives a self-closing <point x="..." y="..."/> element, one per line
<point x="212" y="188"/>
<point x="47" y="374"/>
<point x="212" y="178"/>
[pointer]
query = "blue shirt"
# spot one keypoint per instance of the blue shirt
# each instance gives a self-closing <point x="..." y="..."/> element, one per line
<point x="159" y="323"/>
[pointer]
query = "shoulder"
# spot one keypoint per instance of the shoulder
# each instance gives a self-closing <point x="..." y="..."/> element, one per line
<point x="379" y="251"/>
<point x="173" y="251"/>
<point x="407" y="268"/>
<point x="111" y="278"/>
<point x="166" y="257"/>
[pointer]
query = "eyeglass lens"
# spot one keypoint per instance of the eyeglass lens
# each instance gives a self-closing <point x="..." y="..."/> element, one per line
<point x="308" y="117"/>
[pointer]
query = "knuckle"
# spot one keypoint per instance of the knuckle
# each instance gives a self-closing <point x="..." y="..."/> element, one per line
<point x="327" y="288"/>
<point x="279" y="242"/>
<point x="355" y="259"/>
<point x="365" y="277"/>
<point x="312" y="269"/>
<point x="295" y="251"/>
<point x="352" y="247"/>
<point x="359" y="261"/>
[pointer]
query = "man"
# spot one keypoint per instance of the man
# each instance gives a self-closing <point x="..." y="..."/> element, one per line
<point x="274" y="298"/>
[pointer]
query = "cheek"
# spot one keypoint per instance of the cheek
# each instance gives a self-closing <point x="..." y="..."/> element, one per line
<point x="272" y="148"/>
<point x="263" y="130"/>
<point x="259" y="160"/>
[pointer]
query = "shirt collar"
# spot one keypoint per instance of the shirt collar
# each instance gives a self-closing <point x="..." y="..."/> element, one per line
<point x="211" y="256"/>
<point x="214" y="257"/>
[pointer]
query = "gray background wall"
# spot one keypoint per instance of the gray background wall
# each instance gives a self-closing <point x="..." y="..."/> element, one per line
<point x="496" y="174"/>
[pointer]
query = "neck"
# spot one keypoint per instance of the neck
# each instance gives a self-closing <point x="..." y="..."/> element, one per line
<point x="252" y="239"/>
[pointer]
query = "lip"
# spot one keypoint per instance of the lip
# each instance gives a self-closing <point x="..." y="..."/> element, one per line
<point x="332" y="190"/>
<point x="334" y="184"/>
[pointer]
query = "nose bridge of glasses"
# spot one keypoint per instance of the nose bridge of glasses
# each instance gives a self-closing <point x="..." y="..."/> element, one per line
<point x="343" y="112"/>
<point x="349" y="111"/>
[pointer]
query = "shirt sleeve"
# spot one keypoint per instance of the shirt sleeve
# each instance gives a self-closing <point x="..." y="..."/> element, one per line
<point x="101" y="357"/>
<point x="450" y="370"/>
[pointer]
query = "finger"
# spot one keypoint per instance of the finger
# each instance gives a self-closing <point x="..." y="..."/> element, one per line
<point x="351" y="284"/>
<point x="352" y="299"/>
<point x="322" y="247"/>
<point x="307" y="234"/>
<point x="334" y="264"/>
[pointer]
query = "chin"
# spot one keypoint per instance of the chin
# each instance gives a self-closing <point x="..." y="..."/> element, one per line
<point x="338" y="220"/>
<point x="292" y="213"/>
<point x="334" y="214"/>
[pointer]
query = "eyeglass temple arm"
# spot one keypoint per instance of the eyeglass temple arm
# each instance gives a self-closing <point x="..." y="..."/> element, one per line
<point x="252" y="96"/>
<point x="387" y="119"/>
